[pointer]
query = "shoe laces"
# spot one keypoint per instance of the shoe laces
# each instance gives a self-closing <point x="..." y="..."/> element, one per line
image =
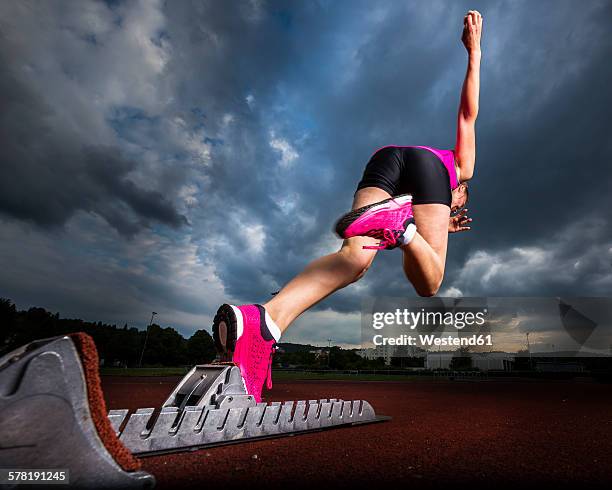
<point x="269" y="373"/>
<point x="388" y="238"/>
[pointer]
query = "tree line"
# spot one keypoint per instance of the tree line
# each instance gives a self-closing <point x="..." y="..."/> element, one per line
<point x="116" y="345"/>
<point x="123" y="346"/>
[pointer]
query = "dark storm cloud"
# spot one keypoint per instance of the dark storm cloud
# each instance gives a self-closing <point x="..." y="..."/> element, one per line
<point x="52" y="166"/>
<point x="108" y="169"/>
<point x="253" y="125"/>
<point x="49" y="174"/>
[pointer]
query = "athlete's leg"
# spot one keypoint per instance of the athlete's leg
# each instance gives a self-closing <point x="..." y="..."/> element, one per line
<point x="425" y="256"/>
<point x="327" y="274"/>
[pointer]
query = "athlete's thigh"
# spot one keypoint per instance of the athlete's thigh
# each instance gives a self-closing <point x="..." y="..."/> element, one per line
<point x="369" y="195"/>
<point x="364" y="197"/>
<point x="432" y="224"/>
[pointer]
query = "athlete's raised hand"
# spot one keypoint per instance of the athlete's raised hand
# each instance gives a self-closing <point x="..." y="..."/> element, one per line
<point x="459" y="222"/>
<point x="472" y="29"/>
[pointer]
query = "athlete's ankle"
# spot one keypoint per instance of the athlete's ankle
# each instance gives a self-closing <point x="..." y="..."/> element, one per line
<point x="408" y="235"/>
<point x="273" y="328"/>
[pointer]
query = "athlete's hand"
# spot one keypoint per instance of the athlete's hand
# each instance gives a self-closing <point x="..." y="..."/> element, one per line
<point x="459" y="222"/>
<point x="472" y="29"/>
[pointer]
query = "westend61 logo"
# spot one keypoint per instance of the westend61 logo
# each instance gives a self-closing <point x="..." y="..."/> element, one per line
<point x="414" y="319"/>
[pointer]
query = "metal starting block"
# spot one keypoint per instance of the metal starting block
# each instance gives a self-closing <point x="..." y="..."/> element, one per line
<point x="210" y="407"/>
<point x="52" y="415"/>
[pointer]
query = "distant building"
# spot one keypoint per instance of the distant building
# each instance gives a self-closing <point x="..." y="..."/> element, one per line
<point x="484" y="361"/>
<point x="438" y="360"/>
<point x="492" y="361"/>
<point x="384" y="351"/>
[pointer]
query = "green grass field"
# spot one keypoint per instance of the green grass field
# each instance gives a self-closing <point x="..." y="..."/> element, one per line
<point x="288" y="375"/>
<point x="278" y="375"/>
<point x="157" y="371"/>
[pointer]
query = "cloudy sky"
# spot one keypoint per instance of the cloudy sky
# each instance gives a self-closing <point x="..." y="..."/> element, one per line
<point x="171" y="156"/>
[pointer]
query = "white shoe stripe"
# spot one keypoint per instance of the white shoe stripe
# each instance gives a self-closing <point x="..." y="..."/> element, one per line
<point x="384" y="205"/>
<point x="403" y="199"/>
<point x="239" y="321"/>
<point x="397" y="200"/>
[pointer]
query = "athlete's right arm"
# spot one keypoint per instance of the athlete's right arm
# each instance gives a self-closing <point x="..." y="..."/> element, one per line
<point x="465" y="147"/>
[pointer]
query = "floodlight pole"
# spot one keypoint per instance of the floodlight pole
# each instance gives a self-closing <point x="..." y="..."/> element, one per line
<point x="146" y="338"/>
<point x="529" y="350"/>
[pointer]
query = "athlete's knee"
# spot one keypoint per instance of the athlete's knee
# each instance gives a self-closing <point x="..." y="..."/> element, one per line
<point x="357" y="261"/>
<point x="426" y="292"/>
<point x="428" y="289"/>
<point x="361" y="271"/>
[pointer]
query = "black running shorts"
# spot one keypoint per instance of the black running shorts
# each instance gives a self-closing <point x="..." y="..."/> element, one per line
<point x="408" y="170"/>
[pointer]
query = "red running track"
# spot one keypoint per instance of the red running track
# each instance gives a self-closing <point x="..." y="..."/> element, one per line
<point x="487" y="434"/>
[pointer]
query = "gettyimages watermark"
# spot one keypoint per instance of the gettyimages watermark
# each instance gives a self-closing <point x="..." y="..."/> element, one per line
<point x="420" y="319"/>
<point x="546" y="327"/>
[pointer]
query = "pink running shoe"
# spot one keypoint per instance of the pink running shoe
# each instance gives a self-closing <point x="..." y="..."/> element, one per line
<point x="386" y="221"/>
<point x="242" y="330"/>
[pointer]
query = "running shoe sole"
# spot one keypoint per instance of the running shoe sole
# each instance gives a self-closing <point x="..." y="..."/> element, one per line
<point x="345" y="221"/>
<point x="230" y="318"/>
